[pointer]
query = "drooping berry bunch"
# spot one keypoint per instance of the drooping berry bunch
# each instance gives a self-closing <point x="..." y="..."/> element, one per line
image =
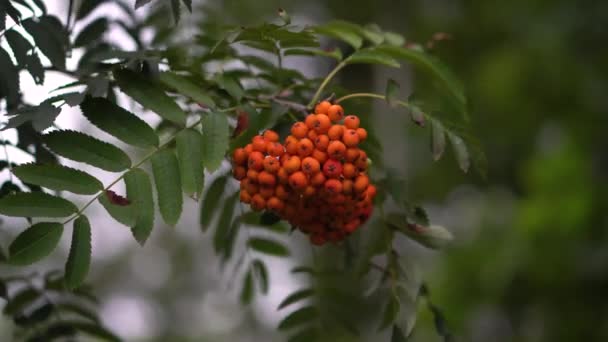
<point x="316" y="179"/>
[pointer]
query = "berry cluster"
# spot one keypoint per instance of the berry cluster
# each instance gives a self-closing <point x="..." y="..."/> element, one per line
<point x="316" y="179"/>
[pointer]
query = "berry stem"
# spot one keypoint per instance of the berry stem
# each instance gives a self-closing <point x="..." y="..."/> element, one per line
<point x="326" y="81"/>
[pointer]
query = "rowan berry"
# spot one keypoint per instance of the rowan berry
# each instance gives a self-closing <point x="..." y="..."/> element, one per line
<point x="321" y="142"/>
<point x="291" y="145"/>
<point x="320" y="156"/>
<point x="258" y="202"/>
<point x="322" y="107"/>
<point x="317" y="179"/>
<point x="281" y="192"/>
<point x="335" y="132"/>
<point x="310" y="121"/>
<point x="275" y="204"/>
<point x="335" y="113"/>
<point x="305" y="147"/>
<point x="259" y="143"/>
<point x="309" y="191"/>
<point x="271" y="164"/>
<point x="275" y="149"/>
<point x="239" y="156"/>
<point x="361" y="183"/>
<point x="252" y="188"/>
<point x="347" y="186"/>
<point x="349" y="170"/>
<point x="256" y="161"/>
<point x="248" y="149"/>
<point x="332" y="168"/>
<point x="271" y="135"/>
<point x="245" y="197"/>
<point x="350" y="138"/>
<point x="352" y="154"/>
<point x="298" y="180"/>
<point x="310" y="165"/>
<point x="299" y="130"/>
<point x="292" y="164"/>
<point x="336" y="149"/>
<point x="267" y="179"/>
<point x="352" y="122"/>
<point x="266" y="191"/>
<point x="362" y="133"/>
<point x="239" y="172"/>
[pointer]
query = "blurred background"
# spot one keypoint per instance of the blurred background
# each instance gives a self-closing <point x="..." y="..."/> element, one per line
<point x="530" y="258"/>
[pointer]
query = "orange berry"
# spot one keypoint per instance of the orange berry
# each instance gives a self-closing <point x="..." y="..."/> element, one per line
<point x="335" y="113"/>
<point x="244" y="196"/>
<point x="243" y="183"/>
<point x="312" y="135"/>
<point x="305" y="147"/>
<point x="252" y="175"/>
<point x="320" y="156"/>
<point x="299" y="130"/>
<point x="256" y="161"/>
<point x="292" y="164"/>
<point x="371" y="191"/>
<point x="362" y="133"/>
<point x="335" y="132"/>
<point x="275" y="204"/>
<point x="248" y="149"/>
<point x="352" y="122"/>
<point x="252" y="189"/>
<point x="333" y="186"/>
<point x="347" y="186"/>
<point x="361" y="183"/>
<point x="298" y="180"/>
<point x="322" y="107"/>
<point x="266" y="178"/>
<point x="310" y="121"/>
<point x="349" y="170"/>
<point x="321" y="142"/>
<point x="352" y="154"/>
<point x="271" y="164"/>
<point x="275" y="149"/>
<point x="271" y="135"/>
<point x="239" y="156"/>
<point x="361" y="164"/>
<point x="258" y="202"/>
<point x="259" y="143"/>
<point x="309" y="191"/>
<point x="310" y="165"/>
<point x="332" y="168"/>
<point x="266" y="191"/>
<point x="350" y="138"/>
<point x="281" y="192"/>
<point x="282" y="176"/>
<point x="317" y="179"/>
<point x="291" y="145"/>
<point x="239" y="172"/>
<point x="322" y="124"/>
<point x="336" y="149"/>
<point x="318" y="239"/>
<point x="351" y="226"/>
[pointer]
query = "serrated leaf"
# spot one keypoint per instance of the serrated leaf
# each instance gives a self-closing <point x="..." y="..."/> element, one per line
<point x="334" y="53"/>
<point x="224" y="224"/>
<point x="247" y="290"/>
<point x="79" y="259"/>
<point x="392" y="38"/>
<point x="211" y="201"/>
<point x="168" y="185"/>
<point x="460" y="150"/>
<point x="118" y="122"/>
<point x="189" y="144"/>
<point x="261" y="272"/>
<point x="19" y="45"/>
<point x="231" y="86"/>
<point x="342" y="30"/>
<point x="36" y="204"/>
<point x="150" y="95"/>
<point x="186" y="87"/>
<point x="21" y="300"/>
<point x="391" y="311"/>
<point x="298" y="317"/>
<point x="432" y="236"/>
<point x="91" y="33"/>
<point x="296" y="297"/>
<point x="373" y="33"/>
<point x="87" y="6"/>
<point x="38" y="315"/>
<point x="437" y="139"/>
<point x="372" y="57"/>
<point x="50" y="37"/>
<point x="86" y="149"/>
<point x="215" y="140"/>
<point x="123" y="214"/>
<point x="35" y="243"/>
<point x="58" y="177"/>
<point x="139" y="191"/>
<point x="267" y="246"/>
<point x="35" y="68"/>
<point x="9" y="79"/>
<point x="392" y="92"/>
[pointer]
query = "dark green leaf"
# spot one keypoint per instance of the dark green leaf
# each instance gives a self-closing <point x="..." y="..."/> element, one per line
<point x="185" y="87"/>
<point x="431" y="236"/>
<point x="11" y="11"/>
<point x="188" y="4"/>
<point x="35" y="243"/>
<point x="39" y="315"/>
<point x="21" y="300"/>
<point x="78" y="310"/>
<point x="345" y="31"/>
<point x="87" y="6"/>
<point x="231" y="86"/>
<point x="92" y="33"/>
<point x="118" y="122"/>
<point x="247" y="290"/>
<point x="36" y="204"/>
<point x="397" y="335"/>
<point x="58" y="177"/>
<point x="224" y="224"/>
<point x="268" y="218"/>
<point x="461" y="151"/>
<point x="93" y="330"/>
<point x="392" y="92"/>
<point x="125" y="214"/>
<point x="35" y="68"/>
<point x="139" y="191"/>
<point x="139" y="3"/>
<point x="215" y="140"/>
<point x="168" y="185"/>
<point x="50" y="37"/>
<point x="190" y="156"/>
<point x="261" y="272"/>
<point x="41" y="117"/>
<point x="296" y="297"/>
<point x="79" y="259"/>
<point x="86" y="149"/>
<point x="176" y="10"/>
<point x="269" y="247"/>
<point x="306" y="335"/>
<point x="19" y="45"/>
<point x="392" y="38"/>
<point x="372" y="57"/>
<point x="9" y="79"/>
<point x="211" y="200"/>
<point x="334" y="53"/>
<point x="391" y="311"/>
<point x="150" y="95"/>
<point x="373" y="33"/>
<point x="437" y="139"/>
<point x="299" y="317"/>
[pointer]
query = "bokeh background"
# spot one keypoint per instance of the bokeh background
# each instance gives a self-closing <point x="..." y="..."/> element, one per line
<point x="530" y="258"/>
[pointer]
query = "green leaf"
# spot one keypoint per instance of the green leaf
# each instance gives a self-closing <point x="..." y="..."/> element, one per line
<point x="306" y="335"/>
<point x="247" y="291"/>
<point x="299" y="317"/>
<point x="188" y="4"/>
<point x="19" y="45"/>
<point x="261" y="272"/>
<point x="215" y="140"/>
<point x="150" y="95"/>
<point x="269" y="247"/>
<point x="372" y="57"/>
<point x="139" y="3"/>
<point x="461" y="151"/>
<point x="397" y="335"/>
<point x="211" y="201"/>
<point x="118" y="122"/>
<point x="391" y="311"/>
<point x="373" y="33"/>
<point x="35" y="68"/>
<point x="87" y="6"/>
<point x="79" y="259"/>
<point x="93" y="330"/>
<point x="92" y="33"/>
<point x="9" y="79"/>
<point x="284" y="16"/>
<point x="224" y="225"/>
<point x="186" y="87"/>
<point x="125" y="214"/>
<point x="35" y="204"/>
<point x="168" y="185"/>
<point x="139" y="191"/>
<point x="342" y="30"/>
<point x="176" y="9"/>
<point x="79" y="310"/>
<point x="58" y="177"/>
<point x="38" y="315"/>
<point x="190" y="156"/>
<point x="231" y="86"/>
<point x="21" y="300"/>
<point x="432" y="236"/>
<point x="437" y="139"/>
<point x="335" y="53"/>
<point x="35" y="243"/>
<point x="50" y="37"/>
<point x="296" y="297"/>
<point x="86" y="149"/>
<point x="392" y="92"/>
<point x="392" y="38"/>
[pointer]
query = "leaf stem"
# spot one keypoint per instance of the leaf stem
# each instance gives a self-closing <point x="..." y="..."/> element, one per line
<point x="134" y="166"/>
<point x="326" y="81"/>
<point x="371" y="95"/>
